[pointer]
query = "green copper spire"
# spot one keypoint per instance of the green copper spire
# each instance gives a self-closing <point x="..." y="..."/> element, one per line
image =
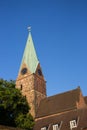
<point x="29" y="56"/>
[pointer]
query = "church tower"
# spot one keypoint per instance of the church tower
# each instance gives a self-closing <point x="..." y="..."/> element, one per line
<point x="30" y="78"/>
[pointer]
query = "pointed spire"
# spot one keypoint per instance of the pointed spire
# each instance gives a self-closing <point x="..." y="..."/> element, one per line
<point x="30" y="56"/>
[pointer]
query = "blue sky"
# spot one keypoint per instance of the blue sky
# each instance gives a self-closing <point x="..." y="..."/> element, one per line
<point x="59" y="31"/>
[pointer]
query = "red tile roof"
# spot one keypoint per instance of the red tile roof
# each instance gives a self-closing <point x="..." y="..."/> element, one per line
<point x="59" y="103"/>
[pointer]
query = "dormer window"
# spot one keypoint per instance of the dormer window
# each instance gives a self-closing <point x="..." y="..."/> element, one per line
<point x="73" y="124"/>
<point x="44" y="128"/>
<point x="55" y="127"/>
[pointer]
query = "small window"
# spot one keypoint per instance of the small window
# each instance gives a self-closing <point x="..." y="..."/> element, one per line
<point x="44" y="128"/>
<point x="21" y="87"/>
<point x="73" y="124"/>
<point x="55" y="127"/>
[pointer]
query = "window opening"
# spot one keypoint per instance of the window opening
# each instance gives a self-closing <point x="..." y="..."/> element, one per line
<point x="56" y="127"/>
<point x="44" y="128"/>
<point x="21" y="87"/>
<point x="73" y="124"/>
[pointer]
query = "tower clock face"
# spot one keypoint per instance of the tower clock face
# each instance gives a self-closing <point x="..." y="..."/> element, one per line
<point x="24" y="71"/>
<point x="39" y="72"/>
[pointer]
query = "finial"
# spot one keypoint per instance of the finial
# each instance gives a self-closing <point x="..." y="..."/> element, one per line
<point x="29" y="28"/>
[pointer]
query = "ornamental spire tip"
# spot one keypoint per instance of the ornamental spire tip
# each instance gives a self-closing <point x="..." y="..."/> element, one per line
<point x="29" y="28"/>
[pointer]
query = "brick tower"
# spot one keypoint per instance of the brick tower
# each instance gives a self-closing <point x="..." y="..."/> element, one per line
<point x="30" y="78"/>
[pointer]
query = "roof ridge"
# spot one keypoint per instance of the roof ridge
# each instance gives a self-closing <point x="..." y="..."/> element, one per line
<point x="78" y="88"/>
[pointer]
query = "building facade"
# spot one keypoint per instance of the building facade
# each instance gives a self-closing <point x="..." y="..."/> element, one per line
<point x="65" y="111"/>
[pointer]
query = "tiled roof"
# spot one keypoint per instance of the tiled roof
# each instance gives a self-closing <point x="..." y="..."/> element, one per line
<point x="59" y="103"/>
<point x="64" y="119"/>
